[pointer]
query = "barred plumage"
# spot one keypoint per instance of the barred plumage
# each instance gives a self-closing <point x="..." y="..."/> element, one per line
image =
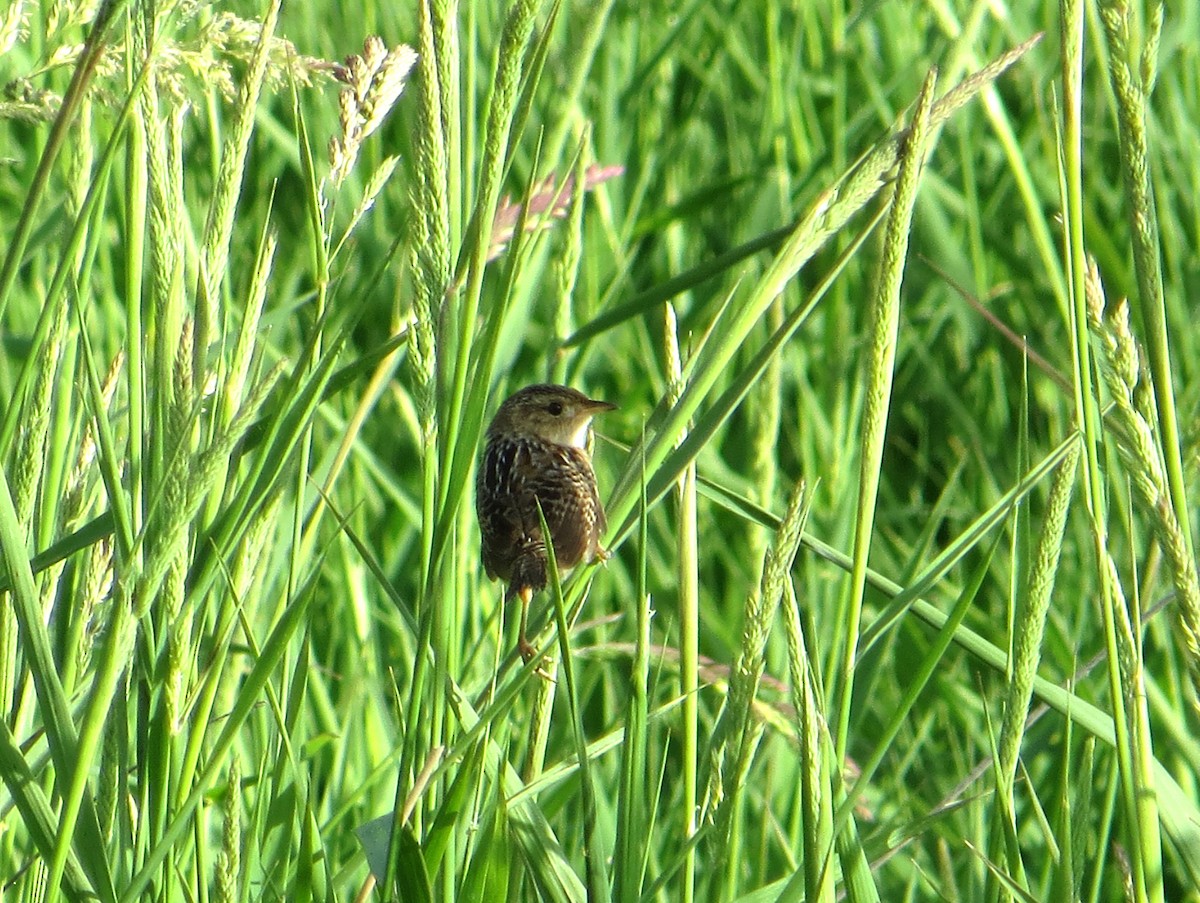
<point x="537" y="451"/>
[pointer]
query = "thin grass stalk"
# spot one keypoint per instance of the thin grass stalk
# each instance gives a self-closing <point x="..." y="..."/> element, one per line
<point x="136" y="191"/>
<point x="536" y="55"/>
<point x="725" y="880"/>
<point x="540" y="719"/>
<point x="635" y="806"/>
<point x="1087" y="415"/>
<point x="1132" y="82"/>
<point x="424" y="723"/>
<point x="1106" y="835"/>
<point x="1019" y="542"/>
<point x="688" y="570"/>
<point x="733" y="737"/>
<point x="1133" y="434"/>
<point x="431" y="269"/>
<point x="966" y="37"/>
<point x="1042" y="230"/>
<point x="457" y="356"/>
<point x="1030" y="628"/>
<point x="814" y="879"/>
<point x="251" y="563"/>
<point x="1075" y="812"/>
<point x="1138" y="452"/>
<point x="840" y="150"/>
<point x="164" y="424"/>
<point x="470" y="123"/>
<point x="443" y="16"/>
<point x="884" y="329"/>
<point x="320" y="230"/>
<point x="236" y="383"/>
<point x="590" y="25"/>
<point x="218" y="230"/>
<point x="566" y="265"/>
<point x="29" y="458"/>
<point x="1145" y="860"/>
<point x="857" y="879"/>
<point x="253" y="852"/>
<point x="767" y="411"/>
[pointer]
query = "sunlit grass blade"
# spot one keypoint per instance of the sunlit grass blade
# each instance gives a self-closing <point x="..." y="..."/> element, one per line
<point x="885" y="322"/>
<point x="635" y="817"/>
<point x="595" y="854"/>
<point x="1030" y="630"/>
<point x="488" y="872"/>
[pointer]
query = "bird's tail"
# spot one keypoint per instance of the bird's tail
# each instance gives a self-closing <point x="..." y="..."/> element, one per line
<point x="528" y="573"/>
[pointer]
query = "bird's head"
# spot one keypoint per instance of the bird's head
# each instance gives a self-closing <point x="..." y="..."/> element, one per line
<point x="557" y="414"/>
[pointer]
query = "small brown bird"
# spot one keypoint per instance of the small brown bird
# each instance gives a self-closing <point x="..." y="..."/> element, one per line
<point x="538" y="452"/>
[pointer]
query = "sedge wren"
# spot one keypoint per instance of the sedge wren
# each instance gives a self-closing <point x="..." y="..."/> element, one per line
<point x="538" y="453"/>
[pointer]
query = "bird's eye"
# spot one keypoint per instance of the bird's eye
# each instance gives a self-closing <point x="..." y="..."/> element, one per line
<point x="555" y="408"/>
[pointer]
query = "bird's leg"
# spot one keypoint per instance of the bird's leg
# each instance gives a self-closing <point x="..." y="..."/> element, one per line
<point x="526" y="648"/>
